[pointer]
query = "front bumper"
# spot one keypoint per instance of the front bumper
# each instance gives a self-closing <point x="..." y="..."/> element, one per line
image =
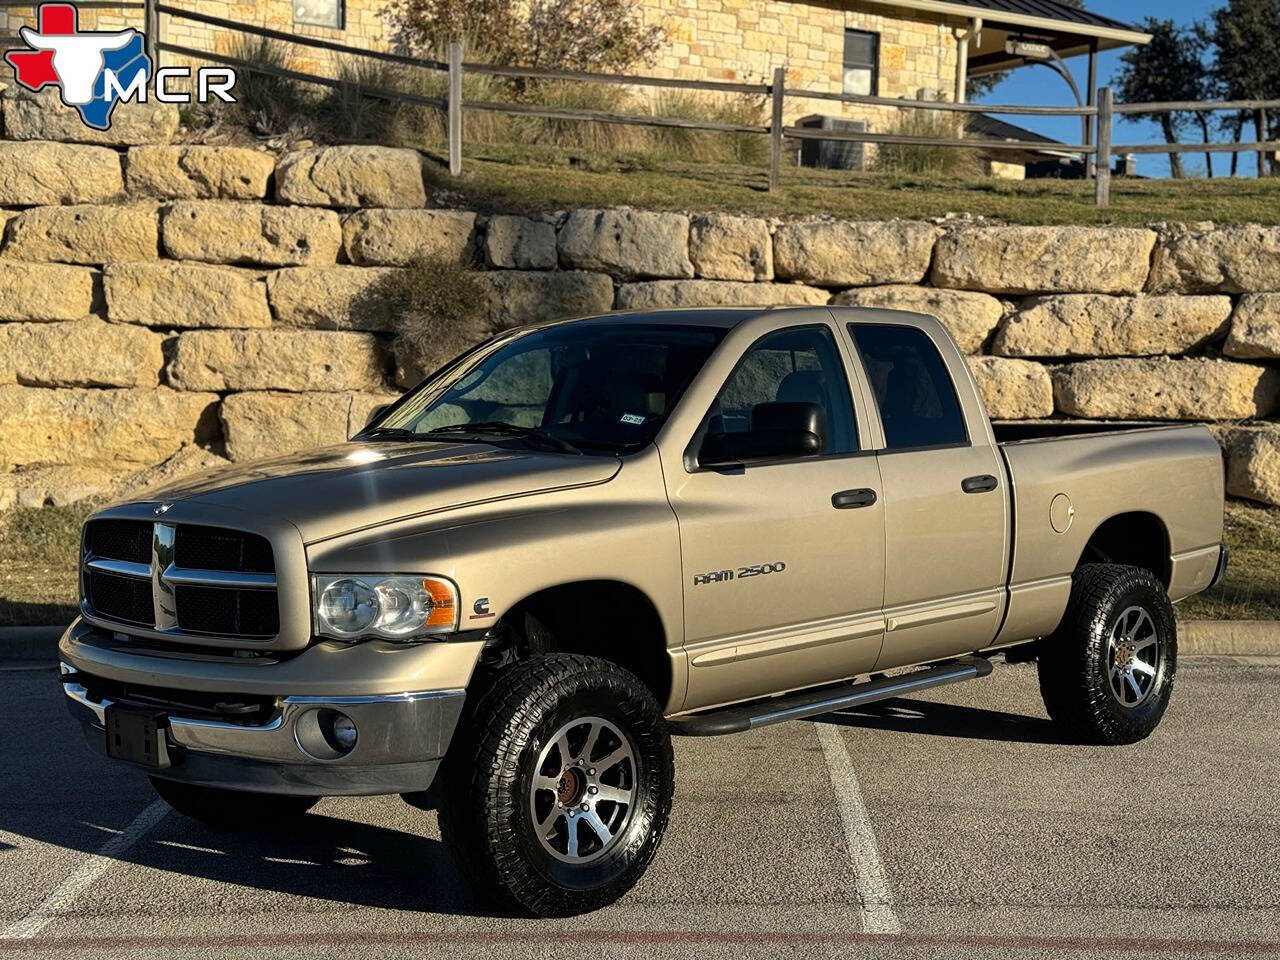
<point x="401" y="739"/>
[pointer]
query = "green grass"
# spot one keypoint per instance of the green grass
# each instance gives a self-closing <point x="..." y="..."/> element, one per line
<point x="38" y="550"/>
<point x="531" y="179"/>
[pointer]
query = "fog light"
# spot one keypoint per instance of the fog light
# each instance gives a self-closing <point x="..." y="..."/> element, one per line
<point x="342" y="733"/>
<point x="325" y="734"/>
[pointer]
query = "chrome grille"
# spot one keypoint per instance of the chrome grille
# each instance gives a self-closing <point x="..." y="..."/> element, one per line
<point x="199" y="580"/>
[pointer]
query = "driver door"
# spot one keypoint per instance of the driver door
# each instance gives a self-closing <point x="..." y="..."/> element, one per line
<point x="783" y="559"/>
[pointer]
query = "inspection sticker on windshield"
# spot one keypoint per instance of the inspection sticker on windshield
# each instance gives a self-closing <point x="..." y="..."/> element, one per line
<point x="632" y="418"/>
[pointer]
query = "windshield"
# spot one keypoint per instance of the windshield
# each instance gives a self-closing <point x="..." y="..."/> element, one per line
<point x="595" y="385"/>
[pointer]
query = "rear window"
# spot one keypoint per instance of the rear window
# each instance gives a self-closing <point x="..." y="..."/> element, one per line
<point x="917" y="399"/>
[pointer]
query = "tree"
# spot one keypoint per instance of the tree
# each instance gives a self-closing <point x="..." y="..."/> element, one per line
<point x="984" y="83"/>
<point x="591" y="35"/>
<point x="1170" y="67"/>
<point x="1247" y="36"/>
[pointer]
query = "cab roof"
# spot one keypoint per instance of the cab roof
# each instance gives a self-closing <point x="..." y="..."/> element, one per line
<point x="730" y="317"/>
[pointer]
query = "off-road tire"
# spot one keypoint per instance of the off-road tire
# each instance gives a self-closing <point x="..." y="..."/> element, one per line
<point x="486" y="779"/>
<point x="231" y="809"/>
<point x="1073" y="662"/>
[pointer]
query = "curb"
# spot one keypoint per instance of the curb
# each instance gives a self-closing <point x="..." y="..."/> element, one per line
<point x="1235" y="638"/>
<point x="1238" y="638"/>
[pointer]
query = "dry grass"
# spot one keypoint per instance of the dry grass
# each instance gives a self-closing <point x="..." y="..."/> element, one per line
<point x="38" y="564"/>
<point x="439" y="303"/>
<point x="1251" y="590"/>
<point x="38" y="557"/>
<point x="702" y="146"/>
<point x="923" y="161"/>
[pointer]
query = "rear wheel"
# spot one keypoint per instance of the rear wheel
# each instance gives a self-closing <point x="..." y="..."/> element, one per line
<point x="1107" y="673"/>
<point x="556" y="792"/>
<point x="231" y="809"/>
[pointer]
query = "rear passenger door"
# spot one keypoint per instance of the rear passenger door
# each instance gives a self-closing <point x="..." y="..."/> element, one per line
<point x="946" y="523"/>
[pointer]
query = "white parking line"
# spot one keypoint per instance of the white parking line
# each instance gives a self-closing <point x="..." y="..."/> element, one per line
<point x="875" y="896"/>
<point x="84" y="875"/>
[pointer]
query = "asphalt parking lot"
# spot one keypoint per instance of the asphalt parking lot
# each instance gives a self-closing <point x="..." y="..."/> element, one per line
<point x="958" y="823"/>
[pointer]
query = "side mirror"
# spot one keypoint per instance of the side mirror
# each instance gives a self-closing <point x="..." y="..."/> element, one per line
<point x="375" y="413"/>
<point x="779" y="431"/>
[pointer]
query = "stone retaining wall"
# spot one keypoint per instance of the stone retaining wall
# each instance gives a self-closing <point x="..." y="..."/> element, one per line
<point x="165" y="306"/>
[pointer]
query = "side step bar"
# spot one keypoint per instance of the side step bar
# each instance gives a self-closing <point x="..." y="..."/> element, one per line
<point x="812" y="703"/>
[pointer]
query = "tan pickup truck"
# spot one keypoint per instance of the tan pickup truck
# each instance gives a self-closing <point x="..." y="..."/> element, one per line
<point x="504" y="595"/>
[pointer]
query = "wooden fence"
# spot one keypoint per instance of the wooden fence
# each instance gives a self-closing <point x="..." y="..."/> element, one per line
<point x="1098" y="120"/>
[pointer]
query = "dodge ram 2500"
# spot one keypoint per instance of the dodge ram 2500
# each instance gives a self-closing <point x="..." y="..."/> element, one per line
<point x="503" y="596"/>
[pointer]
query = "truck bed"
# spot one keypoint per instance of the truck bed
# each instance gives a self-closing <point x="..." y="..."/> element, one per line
<point x="1141" y="489"/>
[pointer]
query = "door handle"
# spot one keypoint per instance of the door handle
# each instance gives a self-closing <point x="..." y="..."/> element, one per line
<point x="853" y="499"/>
<point x="983" y="484"/>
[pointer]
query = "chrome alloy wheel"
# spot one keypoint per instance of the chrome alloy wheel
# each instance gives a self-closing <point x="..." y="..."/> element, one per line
<point x="583" y="790"/>
<point x="1133" y="655"/>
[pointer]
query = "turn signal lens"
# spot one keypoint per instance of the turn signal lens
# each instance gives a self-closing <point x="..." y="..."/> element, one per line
<point x="444" y="611"/>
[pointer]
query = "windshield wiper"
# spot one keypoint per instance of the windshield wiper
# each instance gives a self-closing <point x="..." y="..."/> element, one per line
<point x="388" y="433"/>
<point x="500" y="428"/>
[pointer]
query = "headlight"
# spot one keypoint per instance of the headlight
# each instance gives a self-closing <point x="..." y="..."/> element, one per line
<point x="358" y="606"/>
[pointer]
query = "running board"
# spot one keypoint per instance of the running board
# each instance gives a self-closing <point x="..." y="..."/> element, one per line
<point x="812" y="703"/>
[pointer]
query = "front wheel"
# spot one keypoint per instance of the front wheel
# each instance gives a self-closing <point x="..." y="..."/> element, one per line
<point x="556" y="794"/>
<point x="231" y="809"/>
<point x="1107" y="673"/>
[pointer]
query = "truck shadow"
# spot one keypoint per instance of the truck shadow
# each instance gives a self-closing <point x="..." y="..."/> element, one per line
<point x="318" y="857"/>
<point x="907" y="715"/>
<point x="56" y="791"/>
<point x="331" y="860"/>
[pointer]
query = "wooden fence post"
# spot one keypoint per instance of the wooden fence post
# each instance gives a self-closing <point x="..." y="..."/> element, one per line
<point x="455" y="108"/>
<point x="151" y="30"/>
<point x="1106" y="102"/>
<point x="775" y="127"/>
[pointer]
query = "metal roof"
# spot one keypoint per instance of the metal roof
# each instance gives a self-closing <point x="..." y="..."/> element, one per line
<point x="983" y="126"/>
<point x="1051" y="10"/>
<point x="1069" y="27"/>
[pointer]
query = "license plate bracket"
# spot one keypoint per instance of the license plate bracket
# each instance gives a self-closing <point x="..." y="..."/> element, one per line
<point x="137" y="736"/>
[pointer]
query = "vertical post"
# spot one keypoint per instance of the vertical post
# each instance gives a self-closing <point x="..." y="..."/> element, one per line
<point x="775" y="127"/>
<point x="455" y="108"/>
<point x="1264" y="134"/>
<point x="1106" y="103"/>
<point x="971" y="34"/>
<point x="151" y="30"/>
<point x="1091" y="91"/>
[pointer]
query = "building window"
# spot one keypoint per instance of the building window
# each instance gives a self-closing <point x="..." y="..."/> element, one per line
<point x="319" y="13"/>
<point x="861" y="63"/>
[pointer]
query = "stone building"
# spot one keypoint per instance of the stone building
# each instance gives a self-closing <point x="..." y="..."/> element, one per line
<point x="886" y="48"/>
<point x="892" y="49"/>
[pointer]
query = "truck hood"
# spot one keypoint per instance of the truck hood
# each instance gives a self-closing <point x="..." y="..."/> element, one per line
<point x="353" y="486"/>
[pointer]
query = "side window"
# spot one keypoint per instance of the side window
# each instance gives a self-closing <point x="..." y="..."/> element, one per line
<point x="917" y="400"/>
<point x="790" y="366"/>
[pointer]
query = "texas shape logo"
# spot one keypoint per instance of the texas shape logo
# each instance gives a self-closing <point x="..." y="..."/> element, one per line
<point x="93" y="70"/>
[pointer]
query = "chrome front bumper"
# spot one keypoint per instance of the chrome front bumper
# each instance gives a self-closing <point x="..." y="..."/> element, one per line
<point x="401" y="739"/>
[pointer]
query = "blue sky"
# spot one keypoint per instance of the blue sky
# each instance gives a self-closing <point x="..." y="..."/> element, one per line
<point x="1039" y="85"/>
